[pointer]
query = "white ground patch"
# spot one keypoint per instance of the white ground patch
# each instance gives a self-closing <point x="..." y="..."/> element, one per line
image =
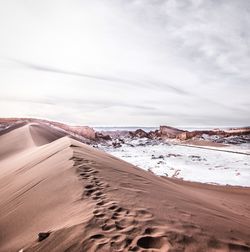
<point x="188" y="163"/>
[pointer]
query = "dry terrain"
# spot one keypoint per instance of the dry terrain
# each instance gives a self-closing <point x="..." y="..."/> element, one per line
<point x="58" y="194"/>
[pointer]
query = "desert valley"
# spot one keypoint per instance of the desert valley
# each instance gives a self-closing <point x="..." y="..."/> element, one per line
<point x="61" y="190"/>
<point x="124" y="126"/>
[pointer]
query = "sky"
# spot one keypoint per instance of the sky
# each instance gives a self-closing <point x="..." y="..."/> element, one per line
<point x="126" y="62"/>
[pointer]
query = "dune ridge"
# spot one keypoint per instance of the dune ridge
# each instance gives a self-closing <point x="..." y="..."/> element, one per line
<point x="83" y="199"/>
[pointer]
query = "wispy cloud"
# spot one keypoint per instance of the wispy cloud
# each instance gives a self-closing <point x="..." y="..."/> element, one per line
<point x="144" y="84"/>
<point x="126" y="62"/>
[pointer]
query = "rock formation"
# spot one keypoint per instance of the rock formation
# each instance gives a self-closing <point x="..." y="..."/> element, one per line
<point x="170" y="132"/>
<point x="164" y="132"/>
<point x="84" y="131"/>
<point x="139" y="133"/>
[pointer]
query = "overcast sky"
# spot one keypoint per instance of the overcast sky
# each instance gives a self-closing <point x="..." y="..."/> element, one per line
<point x="126" y="62"/>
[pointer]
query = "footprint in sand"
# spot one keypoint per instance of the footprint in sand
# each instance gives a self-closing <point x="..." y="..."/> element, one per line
<point x="153" y="242"/>
<point x="143" y="215"/>
<point x="101" y="202"/>
<point x="124" y="223"/>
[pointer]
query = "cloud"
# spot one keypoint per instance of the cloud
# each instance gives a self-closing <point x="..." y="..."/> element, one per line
<point x="129" y="62"/>
<point x="149" y="84"/>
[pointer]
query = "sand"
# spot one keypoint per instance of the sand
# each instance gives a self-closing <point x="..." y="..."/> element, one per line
<point x="205" y="143"/>
<point x="58" y="194"/>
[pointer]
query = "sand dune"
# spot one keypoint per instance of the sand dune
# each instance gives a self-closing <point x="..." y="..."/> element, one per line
<point x="81" y="199"/>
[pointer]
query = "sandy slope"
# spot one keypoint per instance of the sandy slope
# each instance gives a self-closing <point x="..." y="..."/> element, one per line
<point x="91" y="201"/>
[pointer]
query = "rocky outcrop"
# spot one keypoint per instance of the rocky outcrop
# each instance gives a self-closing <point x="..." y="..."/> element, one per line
<point x="185" y="135"/>
<point x="83" y="131"/>
<point x="154" y="134"/>
<point x="238" y="131"/>
<point x="100" y="135"/>
<point x="170" y="132"/>
<point x="233" y="135"/>
<point x="188" y="135"/>
<point x="139" y="133"/>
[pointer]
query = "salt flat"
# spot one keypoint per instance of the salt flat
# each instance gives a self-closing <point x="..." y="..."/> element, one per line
<point x="227" y="165"/>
